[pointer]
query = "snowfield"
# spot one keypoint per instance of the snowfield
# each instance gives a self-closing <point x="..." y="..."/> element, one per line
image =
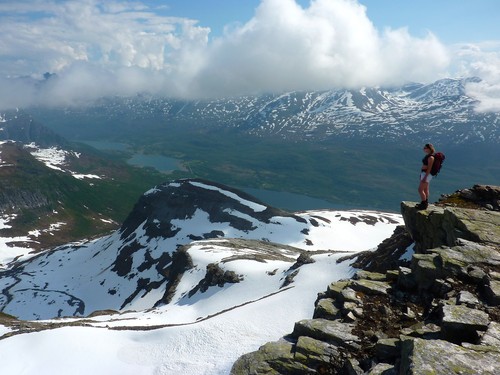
<point x="159" y="296"/>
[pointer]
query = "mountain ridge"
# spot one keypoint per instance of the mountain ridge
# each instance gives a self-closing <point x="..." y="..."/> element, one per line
<point x="141" y="264"/>
<point x="441" y="110"/>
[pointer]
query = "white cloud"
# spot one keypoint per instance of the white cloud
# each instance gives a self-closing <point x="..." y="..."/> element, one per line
<point x="481" y="60"/>
<point x="99" y="47"/>
<point x="330" y="44"/>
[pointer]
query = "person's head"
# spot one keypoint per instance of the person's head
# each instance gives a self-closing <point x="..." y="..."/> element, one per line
<point x="429" y="148"/>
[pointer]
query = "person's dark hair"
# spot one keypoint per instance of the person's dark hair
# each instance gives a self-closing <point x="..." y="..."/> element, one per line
<point x="430" y="147"/>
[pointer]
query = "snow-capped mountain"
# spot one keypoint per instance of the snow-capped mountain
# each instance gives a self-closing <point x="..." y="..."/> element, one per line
<point x="186" y="243"/>
<point x="442" y="111"/>
<point x="198" y="274"/>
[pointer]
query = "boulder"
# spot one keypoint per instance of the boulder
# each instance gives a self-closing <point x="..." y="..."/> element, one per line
<point x="370" y="287"/>
<point x="438" y="226"/>
<point x="272" y="358"/>
<point x="326" y="309"/>
<point x="461" y="323"/>
<point x="492" y="335"/>
<point x="314" y="353"/>
<point x="375" y="276"/>
<point x="467" y="298"/>
<point x="334" y="289"/>
<point x="422" y="357"/>
<point x="425" y="270"/>
<point x="330" y="331"/>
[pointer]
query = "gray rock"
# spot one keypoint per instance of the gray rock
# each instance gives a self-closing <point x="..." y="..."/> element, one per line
<point x="314" y="353"/>
<point x="426" y="331"/>
<point x="425" y="270"/>
<point x="334" y="289"/>
<point x="349" y="295"/>
<point x="492" y="335"/>
<point x="375" y="276"/>
<point x="326" y="309"/>
<point x="461" y="323"/>
<point x="258" y="362"/>
<point x="383" y="369"/>
<point x="370" y="287"/>
<point x="334" y="332"/>
<point x="439" y="226"/>
<point x="423" y="357"/>
<point x="467" y="298"/>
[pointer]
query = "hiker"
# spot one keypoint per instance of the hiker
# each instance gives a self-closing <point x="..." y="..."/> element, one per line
<point x="425" y="176"/>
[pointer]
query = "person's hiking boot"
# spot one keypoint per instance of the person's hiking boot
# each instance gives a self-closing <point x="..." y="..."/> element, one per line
<point x="422" y="205"/>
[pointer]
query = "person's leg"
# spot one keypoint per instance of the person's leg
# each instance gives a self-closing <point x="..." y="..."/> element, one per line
<point x="423" y="190"/>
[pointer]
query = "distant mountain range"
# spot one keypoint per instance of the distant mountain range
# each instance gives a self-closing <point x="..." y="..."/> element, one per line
<point x="441" y="111"/>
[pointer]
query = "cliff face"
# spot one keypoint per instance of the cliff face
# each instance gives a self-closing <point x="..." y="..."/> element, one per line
<point x="438" y="313"/>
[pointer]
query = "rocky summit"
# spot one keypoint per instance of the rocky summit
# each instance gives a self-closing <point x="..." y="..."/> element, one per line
<point x="433" y="307"/>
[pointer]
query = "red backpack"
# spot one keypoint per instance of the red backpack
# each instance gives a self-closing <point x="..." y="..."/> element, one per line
<point x="438" y="163"/>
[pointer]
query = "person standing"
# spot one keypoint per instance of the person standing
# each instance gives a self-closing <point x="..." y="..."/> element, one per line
<point x="425" y="176"/>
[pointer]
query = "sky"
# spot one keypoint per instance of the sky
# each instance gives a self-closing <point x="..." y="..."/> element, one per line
<point x="220" y="48"/>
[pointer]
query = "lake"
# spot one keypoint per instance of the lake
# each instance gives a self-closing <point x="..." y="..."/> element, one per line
<point x="278" y="199"/>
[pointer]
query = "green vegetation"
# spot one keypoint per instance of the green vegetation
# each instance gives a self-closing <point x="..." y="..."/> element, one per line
<point x="358" y="174"/>
<point x="41" y="196"/>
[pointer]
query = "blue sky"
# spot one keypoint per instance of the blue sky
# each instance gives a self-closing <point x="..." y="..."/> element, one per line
<point x="453" y="21"/>
<point x="214" y="48"/>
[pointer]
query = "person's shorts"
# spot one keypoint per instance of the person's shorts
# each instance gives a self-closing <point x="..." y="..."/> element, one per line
<point x="428" y="179"/>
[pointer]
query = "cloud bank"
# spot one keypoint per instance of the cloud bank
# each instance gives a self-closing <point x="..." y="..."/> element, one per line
<point x="99" y="48"/>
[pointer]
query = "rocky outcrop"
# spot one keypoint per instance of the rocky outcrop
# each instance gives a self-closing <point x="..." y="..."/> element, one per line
<point x="443" y="226"/>
<point x="438" y="314"/>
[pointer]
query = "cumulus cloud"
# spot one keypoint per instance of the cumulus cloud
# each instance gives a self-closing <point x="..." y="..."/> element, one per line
<point x="481" y="60"/>
<point x="99" y="48"/>
<point x="330" y="44"/>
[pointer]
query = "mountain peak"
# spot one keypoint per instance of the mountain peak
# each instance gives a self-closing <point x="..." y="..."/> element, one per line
<point x="159" y="208"/>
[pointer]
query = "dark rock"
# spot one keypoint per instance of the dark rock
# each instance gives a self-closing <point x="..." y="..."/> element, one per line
<point x="352" y="367"/>
<point x="406" y="279"/>
<point x="303" y="258"/>
<point x="387" y="349"/>
<point x="215" y="276"/>
<point x="492" y="291"/>
<point x="387" y="254"/>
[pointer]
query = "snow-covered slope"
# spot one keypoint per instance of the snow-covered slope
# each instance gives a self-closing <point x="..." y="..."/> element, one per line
<point x="152" y="260"/>
<point x="442" y="111"/>
<point x="212" y="271"/>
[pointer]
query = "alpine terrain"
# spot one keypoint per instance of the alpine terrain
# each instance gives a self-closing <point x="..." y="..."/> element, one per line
<point x="197" y="275"/>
